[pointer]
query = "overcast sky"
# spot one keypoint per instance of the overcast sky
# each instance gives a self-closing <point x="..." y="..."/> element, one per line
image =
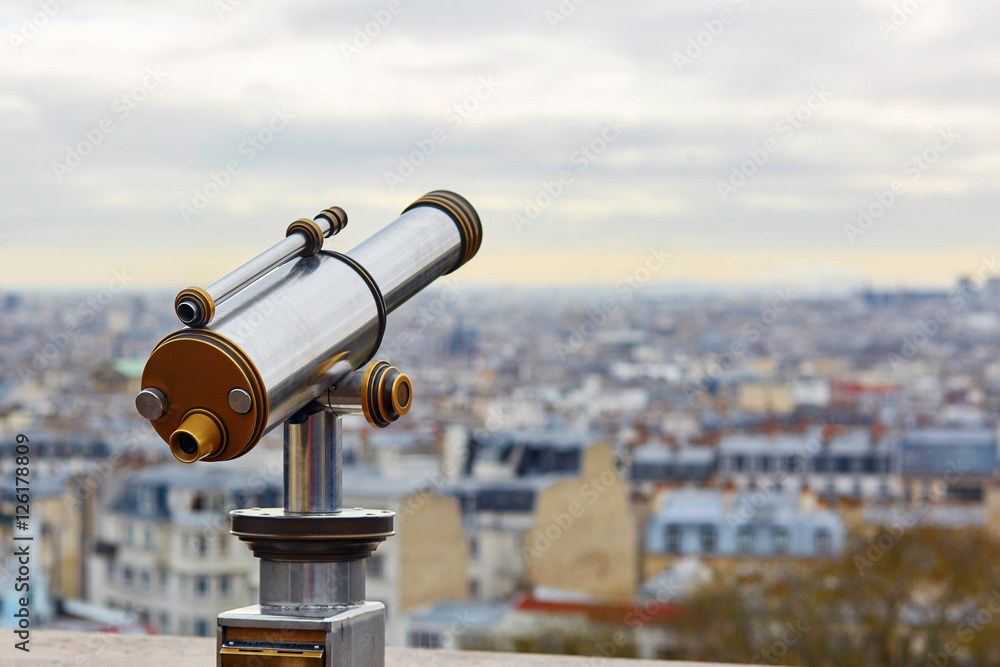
<point x="114" y="115"/>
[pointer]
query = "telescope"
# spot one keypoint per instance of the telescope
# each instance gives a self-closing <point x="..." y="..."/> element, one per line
<point x="289" y="338"/>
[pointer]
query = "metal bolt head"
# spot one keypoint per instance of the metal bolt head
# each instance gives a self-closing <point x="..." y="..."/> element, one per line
<point x="240" y="401"/>
<point x="151" y="403"/>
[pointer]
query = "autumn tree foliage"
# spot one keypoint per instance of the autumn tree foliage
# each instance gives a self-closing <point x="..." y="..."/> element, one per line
<point x="917" y="597"/>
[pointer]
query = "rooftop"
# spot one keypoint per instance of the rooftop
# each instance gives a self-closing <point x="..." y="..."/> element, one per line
<point x="55" y="649"/>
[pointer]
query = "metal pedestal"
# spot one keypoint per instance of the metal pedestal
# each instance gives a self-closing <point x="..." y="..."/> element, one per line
<point x="312" y="611"/>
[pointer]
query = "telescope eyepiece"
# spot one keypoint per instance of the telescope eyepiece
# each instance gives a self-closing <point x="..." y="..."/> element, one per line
<point x="188" y="311"/>
<point x="199" y="436"/>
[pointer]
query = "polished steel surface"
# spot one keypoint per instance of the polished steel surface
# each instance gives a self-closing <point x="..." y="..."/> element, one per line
<point x="295" y="323"/>
<point x="409" y="254"/>
<point x="240" y="400"/>
<point x="344" y="397"/>
<point x="313" y="465"/>
<point x="276" y="255"/>
<point x="151" y="403"/>
<point x="297" y="588"/>
<point x="300" y="319"/>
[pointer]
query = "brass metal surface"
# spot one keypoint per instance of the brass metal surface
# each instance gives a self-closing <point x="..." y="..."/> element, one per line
<point x="222" y="366"/>
<point x="200" y="435"/>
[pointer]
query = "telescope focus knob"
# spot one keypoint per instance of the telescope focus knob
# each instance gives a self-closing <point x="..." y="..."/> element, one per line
<point x="386" y="394"/>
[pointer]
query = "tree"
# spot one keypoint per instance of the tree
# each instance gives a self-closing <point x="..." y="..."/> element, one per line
<point x="897" y="597"/>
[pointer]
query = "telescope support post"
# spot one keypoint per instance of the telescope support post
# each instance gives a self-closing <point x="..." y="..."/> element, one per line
<point x="313" y="463"/>
<point x="312" y="610"/>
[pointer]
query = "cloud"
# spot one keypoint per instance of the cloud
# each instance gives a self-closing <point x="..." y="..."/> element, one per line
<point x="358" y="113"/>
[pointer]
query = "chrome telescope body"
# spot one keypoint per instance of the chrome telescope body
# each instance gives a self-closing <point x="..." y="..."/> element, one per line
<point x="284" y="329"/>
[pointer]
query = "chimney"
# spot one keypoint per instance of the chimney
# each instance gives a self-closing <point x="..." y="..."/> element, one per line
<point x="876" y="433"/>
<point x="807" y="499"/>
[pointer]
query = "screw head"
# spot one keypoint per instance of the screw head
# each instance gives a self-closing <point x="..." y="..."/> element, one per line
<point x="151" y="403"/>
<point x="240" y="401"/>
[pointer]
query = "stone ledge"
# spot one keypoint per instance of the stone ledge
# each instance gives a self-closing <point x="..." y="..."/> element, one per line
<point x="52" y="648"/>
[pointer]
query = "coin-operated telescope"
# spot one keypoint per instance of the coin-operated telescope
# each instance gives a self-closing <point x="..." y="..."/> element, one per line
<point x="288" y="338"/>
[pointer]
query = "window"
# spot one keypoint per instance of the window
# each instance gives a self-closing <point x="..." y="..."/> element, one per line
<point x="146" y="580"/>
<point x="129" y="534"/>
<point x="184" y="582"/>
<point x="739" y="463"/>
<point x="473" y="547"/>
<point x="163" y="624"/>
<point x="822" y="540"/>
<point x="127" y="576"/>
<point x="765" y="463"/>
<point x="792" y="463"/>
<point x="201" y="586"/>
<point x="147" y="538"/>
<point x="375" y="567"/>
<point x="224" y="585"/>
<point x="673" y="539"/>
<point x="780" y="540"/>
<point x="202" y="546"/>
<point x="201" y="627"/>
<point x="744" y="539"/>
<point x="474" y="589"/>
<point x="164" y="580"/>
<point x="708" y="539"/>
<point x="424" y="640"/>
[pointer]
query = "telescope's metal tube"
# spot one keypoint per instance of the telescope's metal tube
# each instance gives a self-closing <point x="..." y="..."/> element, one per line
<point x="405" y="258"/>
<point x="279" y="337"/>
<point x="313" y="469"/>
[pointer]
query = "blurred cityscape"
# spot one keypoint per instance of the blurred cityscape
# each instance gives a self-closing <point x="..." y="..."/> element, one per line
<point x="584" y="471"/>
